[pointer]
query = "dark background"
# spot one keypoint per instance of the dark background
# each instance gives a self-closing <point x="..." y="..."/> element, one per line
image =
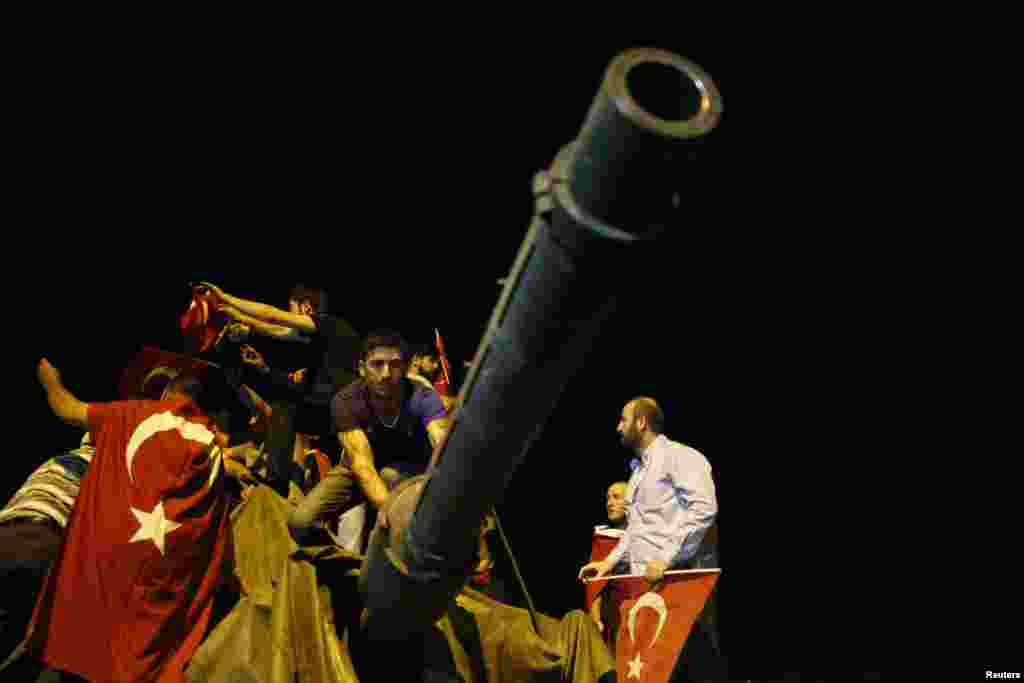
<point x="400" y="182"/>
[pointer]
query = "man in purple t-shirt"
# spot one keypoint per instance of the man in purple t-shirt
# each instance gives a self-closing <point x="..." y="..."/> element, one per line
<point x="382" y="419"/>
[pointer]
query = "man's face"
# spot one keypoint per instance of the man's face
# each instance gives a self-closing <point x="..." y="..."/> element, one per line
<point x="616" y="502"/>
<point x="384" y="370"/>
<point x="627" y="429"/>
<point x="429" y="365"/>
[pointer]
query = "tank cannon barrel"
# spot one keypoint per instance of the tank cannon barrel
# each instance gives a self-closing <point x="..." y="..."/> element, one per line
<point x="619" y="185"/>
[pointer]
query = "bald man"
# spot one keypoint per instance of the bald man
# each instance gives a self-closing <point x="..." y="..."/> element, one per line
<point x="601" y="610"/>
<point x="670" y="499"/>
<point x="670" y="508"/>
<point x="615" y="503"/>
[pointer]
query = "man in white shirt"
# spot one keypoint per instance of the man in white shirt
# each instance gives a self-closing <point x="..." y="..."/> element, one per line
<point x="670" y="499"/>
<point x="670" y="508"/>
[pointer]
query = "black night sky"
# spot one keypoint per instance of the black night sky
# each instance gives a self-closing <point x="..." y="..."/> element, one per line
<point x="401" y="184"/>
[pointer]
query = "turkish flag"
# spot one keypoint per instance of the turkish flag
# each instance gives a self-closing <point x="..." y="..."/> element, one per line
<point x="655" y="624"/>
<point x="201" y="323"/>
<point x="130" y="594"/>
<point x="604" y="541"/>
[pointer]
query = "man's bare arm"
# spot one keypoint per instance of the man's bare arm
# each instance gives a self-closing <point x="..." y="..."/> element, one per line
<point x="437" y="429"/>
<point x="62" y="402"/>
<point x="360" y="455"/>
<point x="266" y="312"/>
<point x="264" y="328"/>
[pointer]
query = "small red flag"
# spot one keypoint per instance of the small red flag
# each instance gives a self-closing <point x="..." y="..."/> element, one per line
<point x="443" y="383"/>
<point x="201" y="323"/>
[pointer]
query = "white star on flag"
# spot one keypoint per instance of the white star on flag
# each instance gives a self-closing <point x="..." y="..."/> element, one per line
<point x="153" y="526"/>
<point x="634" y="667"/>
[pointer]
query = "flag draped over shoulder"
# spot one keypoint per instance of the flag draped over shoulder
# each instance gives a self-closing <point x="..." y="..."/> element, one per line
<point x="130" y="595"/>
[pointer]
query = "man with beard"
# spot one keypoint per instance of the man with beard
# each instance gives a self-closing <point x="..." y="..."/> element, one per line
<point x="425" y="365"/>
<point x="670" y="508"/>
<point x="382" y="419"/>
<point x="670" y="499"/>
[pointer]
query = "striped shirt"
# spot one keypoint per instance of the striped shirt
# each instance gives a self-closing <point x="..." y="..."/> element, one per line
<point x="51" y="490"/>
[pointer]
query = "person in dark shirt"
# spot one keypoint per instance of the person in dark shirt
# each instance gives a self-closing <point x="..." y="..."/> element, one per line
<point x="382" y="420"/>
<point x="326" y="350"/>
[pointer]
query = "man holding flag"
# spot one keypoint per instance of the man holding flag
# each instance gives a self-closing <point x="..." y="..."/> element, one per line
<point x="670" y="508"/>
<point x="131" y="592"/>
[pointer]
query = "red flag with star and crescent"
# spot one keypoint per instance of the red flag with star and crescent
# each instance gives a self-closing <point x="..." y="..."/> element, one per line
<point x="654" y="624"/>
<point x="130" y="594"/>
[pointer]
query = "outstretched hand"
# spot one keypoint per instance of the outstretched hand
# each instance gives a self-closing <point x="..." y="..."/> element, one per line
<point x="251" y="356"/>
<point x="594" y="570"/>
<point x="655" y="571"/>
<point x="47" y="374"/>
<point x="211" y="289"/>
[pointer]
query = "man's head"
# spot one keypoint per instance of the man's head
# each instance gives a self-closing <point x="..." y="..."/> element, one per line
<point x="641" y="421"/>
<point x="211" y="393"/>
<point x="156" y="381"/>
<point x="615" y="502"/>
<point x="384" y="363"/>
<point x="426" y="361"/>
<point x="183" y="385"/>
<point x="307" y="300"/>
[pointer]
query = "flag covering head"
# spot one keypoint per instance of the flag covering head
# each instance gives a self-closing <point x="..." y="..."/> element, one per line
<point x="443" y="384"/>
<point x="130" y="595"/>
<point x="655" y="624"/>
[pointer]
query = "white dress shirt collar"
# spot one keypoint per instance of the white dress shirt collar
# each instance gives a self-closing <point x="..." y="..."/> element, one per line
<point x="645" y="457"/>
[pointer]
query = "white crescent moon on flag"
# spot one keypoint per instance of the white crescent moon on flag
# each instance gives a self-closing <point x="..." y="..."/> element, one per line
<point x="655" y="602"/>
<point x="164" y="422"/>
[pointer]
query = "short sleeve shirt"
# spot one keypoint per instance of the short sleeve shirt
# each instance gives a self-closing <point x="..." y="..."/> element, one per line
<point x="354" y="407"/>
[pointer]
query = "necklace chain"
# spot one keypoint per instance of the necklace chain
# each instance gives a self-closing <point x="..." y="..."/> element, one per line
<point x="393" y="422"/>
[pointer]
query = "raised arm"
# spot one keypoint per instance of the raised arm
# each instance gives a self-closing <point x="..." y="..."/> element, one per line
<point x="63" y="404"/>
<point x="264" y="328"/>
<point x="360" y="454"/>
<point x="259" y="408"/>
<point x="265" y="312"/>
